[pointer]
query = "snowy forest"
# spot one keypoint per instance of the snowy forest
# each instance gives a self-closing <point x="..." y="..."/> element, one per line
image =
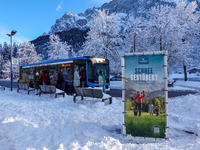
<point x="175" y="29"/>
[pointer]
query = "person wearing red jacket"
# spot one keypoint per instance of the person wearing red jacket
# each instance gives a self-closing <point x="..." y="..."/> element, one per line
<point x="83" y="77"/>
<point x="43" y="77"/>
<point x="138" y="97"/>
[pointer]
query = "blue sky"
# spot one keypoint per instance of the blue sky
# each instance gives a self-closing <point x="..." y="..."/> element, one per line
<point x="33" y="17"/>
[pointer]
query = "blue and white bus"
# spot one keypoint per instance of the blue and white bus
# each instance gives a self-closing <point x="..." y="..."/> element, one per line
<point x="92" y="65"/>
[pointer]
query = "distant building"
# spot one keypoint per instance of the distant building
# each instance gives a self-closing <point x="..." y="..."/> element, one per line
<point x="194" y="70"/>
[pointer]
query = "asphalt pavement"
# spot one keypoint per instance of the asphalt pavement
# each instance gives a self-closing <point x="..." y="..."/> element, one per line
<point x="118" y="93"/>
<point x="114" y="92"/>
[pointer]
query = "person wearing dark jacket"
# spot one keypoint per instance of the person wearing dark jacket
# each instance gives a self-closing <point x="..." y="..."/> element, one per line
<point x="48" y="82"/>
<point x="60" y="81"/>
<point x="36" y="81"/>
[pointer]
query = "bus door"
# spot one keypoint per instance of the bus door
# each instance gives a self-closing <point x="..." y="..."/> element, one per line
<point x="80" y="63"/>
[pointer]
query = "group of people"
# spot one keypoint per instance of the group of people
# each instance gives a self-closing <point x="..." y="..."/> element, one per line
<point x="57" y="80"/>
<point x="79" y="78"/>
<point x="60" y="79"/>
<point x="151" y="107"/>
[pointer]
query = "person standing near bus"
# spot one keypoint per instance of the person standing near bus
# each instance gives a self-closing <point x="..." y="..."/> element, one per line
<point x="43" y="77"/>
<point x="48" y="81"/>
<point x="83" y="76"/>
<point x="101" y="79"/>
<point x="54" y="80"/>
<point x="61" y="82"/>
<point x="76" y="77"/>
<point x="37" y="81"/>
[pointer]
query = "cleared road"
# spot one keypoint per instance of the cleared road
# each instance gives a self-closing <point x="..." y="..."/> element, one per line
<point x="118" y="93"/>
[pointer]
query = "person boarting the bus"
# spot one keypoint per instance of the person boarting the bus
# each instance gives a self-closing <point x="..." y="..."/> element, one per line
<point x="76" y="77"/>
<point x="83" y="76"/>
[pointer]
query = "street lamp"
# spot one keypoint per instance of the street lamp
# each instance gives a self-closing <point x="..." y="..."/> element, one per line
<point x="11" y="34"/>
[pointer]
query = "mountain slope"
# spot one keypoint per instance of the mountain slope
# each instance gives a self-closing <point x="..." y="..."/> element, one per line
<point x="73" y="28"/>
<point x="75" y="37"/>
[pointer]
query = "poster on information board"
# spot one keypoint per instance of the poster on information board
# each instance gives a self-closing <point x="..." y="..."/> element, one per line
<point x="144" y="94"/>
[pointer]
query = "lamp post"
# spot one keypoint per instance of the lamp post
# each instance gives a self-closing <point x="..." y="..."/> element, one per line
<point x="11" y="72"/>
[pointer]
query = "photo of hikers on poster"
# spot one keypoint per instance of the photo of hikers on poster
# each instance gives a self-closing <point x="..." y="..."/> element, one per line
<point x="144" y="96"/>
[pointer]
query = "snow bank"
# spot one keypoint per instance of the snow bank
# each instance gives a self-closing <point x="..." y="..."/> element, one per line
<point x="29" y="122"/>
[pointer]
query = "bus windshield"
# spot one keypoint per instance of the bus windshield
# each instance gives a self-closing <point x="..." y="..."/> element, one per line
<point x="95" y="66"/>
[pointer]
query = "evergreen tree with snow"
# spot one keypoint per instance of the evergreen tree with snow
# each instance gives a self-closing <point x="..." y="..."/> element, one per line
<point x="1" y="64"/>
<point x="57" y="48"/>
<point x="103" y="38"/>
<point x="14" y="49"/>
<point x="1" y="49"/>
<point x="27" y="54"/>
<point x="6" y="52"/>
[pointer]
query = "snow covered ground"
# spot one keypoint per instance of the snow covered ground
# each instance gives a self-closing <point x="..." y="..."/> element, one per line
<point x="29" y="122"/>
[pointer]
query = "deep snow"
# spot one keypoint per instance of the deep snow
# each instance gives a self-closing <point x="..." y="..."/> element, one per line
<point x="33" y="123"/>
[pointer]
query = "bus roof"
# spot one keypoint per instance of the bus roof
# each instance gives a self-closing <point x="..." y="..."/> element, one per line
<point x="54" y="61"/>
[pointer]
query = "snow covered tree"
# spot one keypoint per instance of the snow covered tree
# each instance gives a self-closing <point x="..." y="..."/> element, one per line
<point x="58" y="49"/>
<point x="15" y="49"/>
<point x="73" y="53"/>
<point x="103" y="38"/>
<point x="7" y="70"/>
<point x="160" y="31"/>
<point x="187" y="22"/>
<point x="1" y="64"/>
<point x="133" y="31"/>
<point x="1" y="49"/>
<point x="6" y="52"/>
<point x="27" y="54"/>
